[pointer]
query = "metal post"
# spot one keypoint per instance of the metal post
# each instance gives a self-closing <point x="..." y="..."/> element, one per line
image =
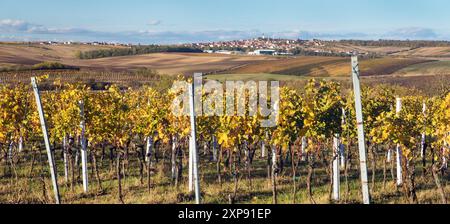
<point x="263" y="149"/>
<point x="444" y="156"/>
<point x="303" y="148"/>
<point x="341" y="145"/>
<point x="10" y="151"/>
<point x="214" y="146"/>
<point x="399" y="150"/>
<point x="389" y="156"/>
<point x="66" y="162"/>
<point x="191" y="173"/>
<point x="264" y="145"/>
<point x="360" y="124"/>
<point x="336" y="169"/>
<point x="173" y="158"/>
<point x="46" y="140"/>
<point x="424" y="136"/>
<point x="83" y="148"/>
<point x="274" y="160"/>
<point x="194" y="145"/>
<point x="149" y="143"/>
<point x="149" y="149"/>
<point x="20" y="144"/>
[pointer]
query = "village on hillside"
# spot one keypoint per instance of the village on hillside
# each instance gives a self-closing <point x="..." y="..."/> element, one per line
<point x="267" y="46"/>
<point x="256" y="46"/>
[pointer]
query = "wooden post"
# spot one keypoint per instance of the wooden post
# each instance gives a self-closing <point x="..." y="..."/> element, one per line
<point x="336" y="169"/>
<point x="360" y="124"/>
<point x="46" y="140"/>
<point x="83" y="144"/>
<point x="194" y="145"/>
<point x="399" y="150"/>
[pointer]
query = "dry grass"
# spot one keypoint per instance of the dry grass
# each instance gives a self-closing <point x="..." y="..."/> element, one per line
<point x="36" y="190"/>
<point x="427" y="52"/>
<point x="437" y="67"/>
<point x="290" y="66"/>
<point x="24" y="54"/>
<point x="378" y="50"/>
<point x="172" y="63"/>
<point x="328" y="66"/>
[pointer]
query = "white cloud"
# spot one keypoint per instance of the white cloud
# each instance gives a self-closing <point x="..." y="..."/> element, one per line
<point x="11" y="25"/>
<point x="45" y="30"/>
<point x="155" y="22"/>
<point x="414" y="33"/>
<point x="22" y="30"/>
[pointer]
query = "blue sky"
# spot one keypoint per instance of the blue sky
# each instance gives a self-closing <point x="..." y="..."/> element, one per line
<point x="175" y="21"/>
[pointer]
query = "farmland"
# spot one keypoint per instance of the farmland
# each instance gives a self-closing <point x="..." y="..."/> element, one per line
<point x="165" y="63"/>
<point x="436" y="67"/>
<point x="29" y="54"/>
<point x="14" y="55"/>
<point x="127" y="109"/>
<point x="327" y="66"/>
<point x="171" y="63"/>
<point x="427" y="52"/>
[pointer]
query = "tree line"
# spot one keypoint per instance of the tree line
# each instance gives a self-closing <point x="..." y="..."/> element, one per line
<point x="396" y="43"/>
<point x="135" y="50"/>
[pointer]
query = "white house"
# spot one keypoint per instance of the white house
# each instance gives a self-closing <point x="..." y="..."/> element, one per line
<point x="224" y="52"/>
<point x="264" y="52"/>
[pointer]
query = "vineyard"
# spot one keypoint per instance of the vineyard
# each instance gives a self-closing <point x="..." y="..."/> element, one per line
<point x="107" y="144"/>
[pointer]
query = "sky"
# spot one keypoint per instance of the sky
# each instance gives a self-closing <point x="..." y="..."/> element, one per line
<point x="181" y="21"/>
